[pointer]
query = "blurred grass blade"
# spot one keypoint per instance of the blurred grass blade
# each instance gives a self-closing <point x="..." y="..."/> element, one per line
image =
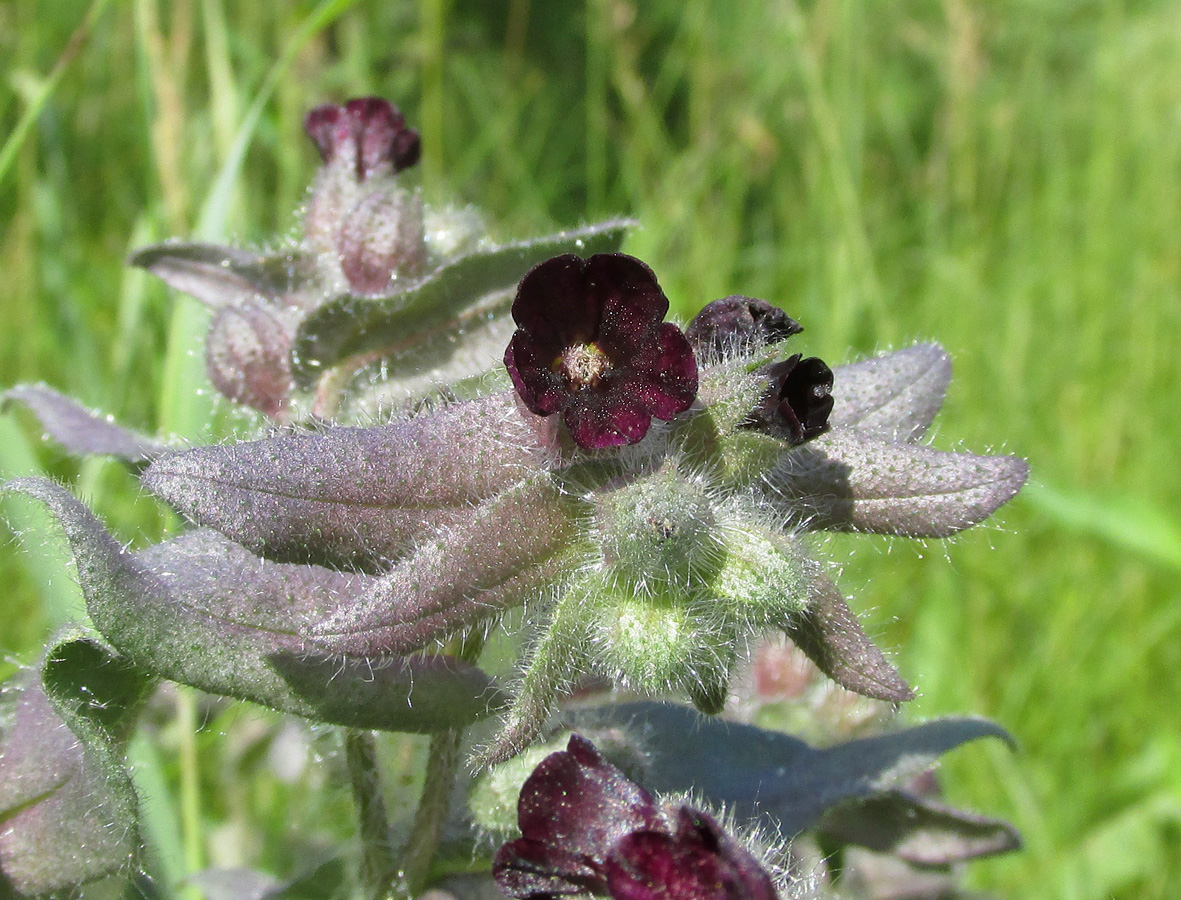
<point x="1125" y="522"/>
<point x="73" y="45"/>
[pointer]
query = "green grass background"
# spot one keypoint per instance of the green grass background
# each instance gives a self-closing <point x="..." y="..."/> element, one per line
<point x="1002" y="177"/>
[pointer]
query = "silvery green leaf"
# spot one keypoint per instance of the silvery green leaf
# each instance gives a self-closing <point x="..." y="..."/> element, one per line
<point x="895" y="396"/>
<point x="351" y="325"/>
<point x="203" y="611"/>
<point x="223" y="276"/>
<point x="767" y="773"/>
<point x="918" y="829"/>
<point x="829" y="634"/>
<point x="80" y="431"/>
<point x="473" y="345"/>
<point x="66" y="800"/>
<point x="352" y="496"/>
<point x="844" y="481"/>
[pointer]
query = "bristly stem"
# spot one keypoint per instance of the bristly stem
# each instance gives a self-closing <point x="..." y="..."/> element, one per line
<point x="378" y="865"/>
<point x="443" y="761"/>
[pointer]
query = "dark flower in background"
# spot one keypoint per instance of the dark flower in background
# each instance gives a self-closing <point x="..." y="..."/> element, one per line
<point x="587" y="829"/>
<point x="735" y="323"/>
<point x="371" y="131"/>
<point x="798" y="399"/>
<point x="592" y="344"/>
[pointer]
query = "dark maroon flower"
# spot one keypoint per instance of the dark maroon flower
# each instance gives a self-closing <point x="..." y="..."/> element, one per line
<point x="592" y="344"/>
<point x="587" y="829"/>
<point x="368" y="131"/>
<point x="798" y="399"/>
<point x="736" y="323"/>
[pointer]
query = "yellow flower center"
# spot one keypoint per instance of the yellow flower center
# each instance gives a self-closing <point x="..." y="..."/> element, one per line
<point x="583" y="365"/>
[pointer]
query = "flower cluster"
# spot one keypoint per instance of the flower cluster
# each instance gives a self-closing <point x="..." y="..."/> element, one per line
<point x="588" y="829"/>
<point x="335" y="568"/>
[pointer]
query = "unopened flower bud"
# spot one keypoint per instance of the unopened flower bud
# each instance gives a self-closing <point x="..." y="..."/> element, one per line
<point x="735" y="324"/>
<point x="247" y="356"/>
<point x="797" y="401"/>
<point x="380" y="238"/>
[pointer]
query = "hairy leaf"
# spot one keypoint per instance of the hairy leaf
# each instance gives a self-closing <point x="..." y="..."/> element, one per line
<point x="919" y="830"/>
<point x="846" y="482"/>
<point x="352" y="325"/>
<point x="767" y="773"/>
<point x="894" y="397"/>
<point x="223" y="276"/>
<point x="501" y="554"/>
<point x="204" y="612"/>
<point x="67" y="804"/>
<point x="829" y="634"/>
<point x="80" y="431"/>
<point x="356" y="497"/>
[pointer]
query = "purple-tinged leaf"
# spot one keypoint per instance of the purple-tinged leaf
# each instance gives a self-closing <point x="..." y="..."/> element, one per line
<point x="767" y="773"/>
<point x="918" y="829"/>
<point x="80" y="431"/>
<point x="846" y="482"/>
<point x="500" y="554"/>
<point x="204" y="612"/>
<point x="894" y="397"/>
<point x="66" y="801"/>
<point x="828" y="633"/>
<point x="351" y="325"/>
<point x="353" y="496"/>
<point x="223" y="276"/>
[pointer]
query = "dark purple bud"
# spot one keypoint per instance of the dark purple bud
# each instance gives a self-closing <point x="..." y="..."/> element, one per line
<point x="592" y="345"/>
<point x="368" y="131"/>
<point x="734" y="324"/>
<point x="798" y="399"/>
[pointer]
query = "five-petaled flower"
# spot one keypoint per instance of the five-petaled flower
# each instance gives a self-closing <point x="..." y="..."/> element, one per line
<point x="588" y="829"/>
<point x="592" y="344"/>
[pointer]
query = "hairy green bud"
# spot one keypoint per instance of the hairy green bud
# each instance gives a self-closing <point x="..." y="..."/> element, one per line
<point x="658" y="530"/>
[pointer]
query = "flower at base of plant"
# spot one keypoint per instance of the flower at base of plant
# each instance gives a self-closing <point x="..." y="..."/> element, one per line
<point x="798" y="400"/>
<point x="592" y="344"/>
<point x="588" y="829"/>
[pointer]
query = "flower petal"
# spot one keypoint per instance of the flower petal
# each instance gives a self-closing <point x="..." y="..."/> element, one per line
<point x="579" y="806"/>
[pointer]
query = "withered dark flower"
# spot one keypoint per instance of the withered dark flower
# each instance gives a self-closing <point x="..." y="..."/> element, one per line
<point x="735" y="323"/>
<point x="588" y="829"/>
<point x="798" y="399"/>
<point x="591" y="343"/>
<point x="369" y="130"/>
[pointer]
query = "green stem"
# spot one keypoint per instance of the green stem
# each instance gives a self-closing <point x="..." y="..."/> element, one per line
<point x="441" y="768"/>
<point x="377" y="859"/>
